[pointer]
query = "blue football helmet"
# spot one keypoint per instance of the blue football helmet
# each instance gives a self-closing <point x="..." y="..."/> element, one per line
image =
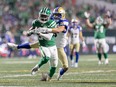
<point x="58" y="13"/>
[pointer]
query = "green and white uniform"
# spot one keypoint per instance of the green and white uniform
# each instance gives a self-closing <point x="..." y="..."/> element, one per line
<point x="48" y="47"/>
<point x="99" y="35"/>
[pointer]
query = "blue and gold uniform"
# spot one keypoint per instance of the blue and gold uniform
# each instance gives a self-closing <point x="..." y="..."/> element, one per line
<point x="74" y="31"/>
<point x="61" y="39"/>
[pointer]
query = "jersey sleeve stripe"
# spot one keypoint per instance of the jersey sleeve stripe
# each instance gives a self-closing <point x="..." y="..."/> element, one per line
<point x="53" y="25"/>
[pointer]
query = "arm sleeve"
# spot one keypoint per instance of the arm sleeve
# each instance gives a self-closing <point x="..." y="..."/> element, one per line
<point x="47" y="36"/>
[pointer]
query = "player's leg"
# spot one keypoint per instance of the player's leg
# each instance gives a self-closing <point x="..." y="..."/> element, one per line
<point x="105" y="50"/>
<point x="25" y="45"/>
<point x="99" y="54"/>
<point x="53" y="63"/>
<point x="77" y="47"/>
<point x="45" y="57"/>
<point x="64" y="61"/>
<point x="71" y="54"/>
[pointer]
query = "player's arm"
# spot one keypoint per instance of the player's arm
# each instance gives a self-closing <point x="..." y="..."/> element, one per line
<point x="32" y="28"/>
<point x="88" y="23"/>
<point x="68" y="34"/>
<point x="46" y="36"/>
<point x="61" y="28"/>
<point x="82" y="38"/>
<point x="108" y="20"/>
<point x="30" y="31"/>
<point x="52" y="30"/>
<point x="58" y="29"/>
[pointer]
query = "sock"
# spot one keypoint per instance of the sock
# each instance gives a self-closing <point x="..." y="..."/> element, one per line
<point x="77" y="56"/>
<point x="99" y="56"/>
<point x="105" y="55"/>
<point x="71" y="57"/>
<point x="26" y="45"/>
<point x="62" y="71"/>
<point x="52" y="71"/>
<point x="43" y="61"/>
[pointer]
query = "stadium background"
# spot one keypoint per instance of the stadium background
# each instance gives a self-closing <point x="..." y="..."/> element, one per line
<point x="16" y="16"/>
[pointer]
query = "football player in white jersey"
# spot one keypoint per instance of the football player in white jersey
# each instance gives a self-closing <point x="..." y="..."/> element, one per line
<point x="75" y="33"/>
<point x="61" y="37"/>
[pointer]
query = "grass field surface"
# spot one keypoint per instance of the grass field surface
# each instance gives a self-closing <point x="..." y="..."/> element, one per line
<point x="16" y="72"/>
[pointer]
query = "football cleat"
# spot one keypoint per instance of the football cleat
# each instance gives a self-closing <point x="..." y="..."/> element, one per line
<point x="72" y="63"/>
<point x="106" y="61"/>
<point x="100" y="62"/>
<point x="59" y="76"/>
<point x="76" y="65"/>
<point x="12" y="45"/>
<point x="45" y="77"/>
<point x="34" y="70"/>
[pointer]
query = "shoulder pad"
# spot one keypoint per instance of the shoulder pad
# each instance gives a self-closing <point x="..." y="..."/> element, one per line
<point x="79" y="27"/>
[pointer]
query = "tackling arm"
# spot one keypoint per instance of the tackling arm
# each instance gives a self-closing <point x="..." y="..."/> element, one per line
<point x="52" y="30"/>
<point x="46" y="36"/>
<point x="58" y="29"/>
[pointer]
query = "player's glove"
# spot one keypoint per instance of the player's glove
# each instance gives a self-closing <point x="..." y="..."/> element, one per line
<point x="30" y="32"/>
<point x="108" y="14"/>
<point x="86" y="14"/>
<point x="43" y="30"/>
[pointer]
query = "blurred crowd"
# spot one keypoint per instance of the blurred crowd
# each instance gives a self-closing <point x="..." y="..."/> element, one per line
<point x="16" y="17"/>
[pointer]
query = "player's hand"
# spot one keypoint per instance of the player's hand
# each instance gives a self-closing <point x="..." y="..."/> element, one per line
<point x="84" y="44"/>
<point x="39" y="33"/>
<point x="43" y="30"/>
<point x="30" y="32"/>
<point x="86" y="14"/>
<point x="108" y="14"/>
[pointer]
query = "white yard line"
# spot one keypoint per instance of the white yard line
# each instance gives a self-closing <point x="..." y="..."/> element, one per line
<point x="18" y="75"/>
<point x="69" y="73"/>
<point x="18" y="62"/>
<point x="89" y="72"/>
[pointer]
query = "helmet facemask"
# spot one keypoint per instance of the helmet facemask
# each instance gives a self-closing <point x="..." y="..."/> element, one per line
<point x="75" y="22"/>
<point x="56" y="16"/>
<point x="58" y="13"/>
<point x="99" y="20"/>
<point x="44" y="15"/>
<point x="43" y="18"/>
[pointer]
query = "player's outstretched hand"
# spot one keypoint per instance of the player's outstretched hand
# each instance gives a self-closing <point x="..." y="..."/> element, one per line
<point x="84" y="44"/>
<point x="86" y="14"/>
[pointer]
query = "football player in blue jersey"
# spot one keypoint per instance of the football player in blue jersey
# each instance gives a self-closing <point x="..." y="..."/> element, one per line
<point x="75" y="34"/>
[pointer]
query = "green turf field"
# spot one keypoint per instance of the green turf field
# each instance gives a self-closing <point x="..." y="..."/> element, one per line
<point x="16" y="72"/>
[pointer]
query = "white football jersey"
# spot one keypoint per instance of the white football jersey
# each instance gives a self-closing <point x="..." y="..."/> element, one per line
<point x="61" y="39"/>
<point x="74" y="32"/>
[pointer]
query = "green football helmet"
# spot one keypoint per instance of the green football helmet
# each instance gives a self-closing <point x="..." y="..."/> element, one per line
<point x="99" y="20"/>
<point x="44" y="15"/>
